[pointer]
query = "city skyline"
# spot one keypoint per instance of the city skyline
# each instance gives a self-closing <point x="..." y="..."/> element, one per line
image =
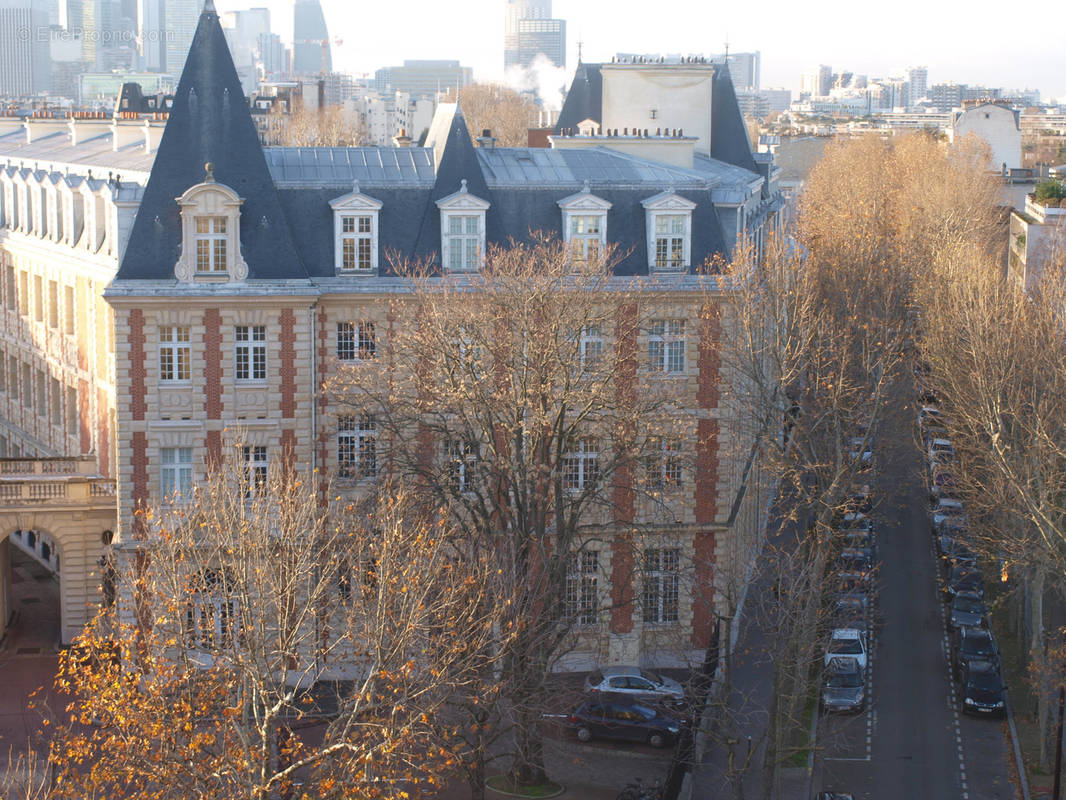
<point x="954" y="47"/>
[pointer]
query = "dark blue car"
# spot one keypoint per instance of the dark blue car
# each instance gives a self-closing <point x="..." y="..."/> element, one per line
<point x="611" y="719"/>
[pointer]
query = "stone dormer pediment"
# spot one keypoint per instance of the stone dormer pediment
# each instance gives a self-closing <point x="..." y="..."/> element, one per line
<point x="210" y="224"/>
<point x="355" y="201"/>
<point x="668" y="201"/>
<point x="584" y="201"/>
<point x="462" y="200"/>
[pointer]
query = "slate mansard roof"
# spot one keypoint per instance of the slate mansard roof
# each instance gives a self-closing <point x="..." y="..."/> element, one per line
<point x="286" y="228"/>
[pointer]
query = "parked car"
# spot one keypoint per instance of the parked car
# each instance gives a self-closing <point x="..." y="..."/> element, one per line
<point x="847" y="642"/>
<point x="844" y="688"/>
<point x="963" y="579"/>
<point x="982" y="689"/>
<point x="849" y="610"/>
<point x="942" y="483"/>
<point x="957" y="553"/>
<point x="639" y="684"/>
<point x="929" y="414"/>
<point x="834" y="796"/>
<point x="974" y="644"/>
<point x="967" y="611"/>
<point x="940" y="450"/>
<point x="946" y="508"/>
<point x="862" y="541"/>
<point x="618" y="719"/>
<point x="856" y="560"/>
<point x="858" y="452"/>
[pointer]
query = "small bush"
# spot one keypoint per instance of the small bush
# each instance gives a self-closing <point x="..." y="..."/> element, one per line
<point x="1049" y="190"/>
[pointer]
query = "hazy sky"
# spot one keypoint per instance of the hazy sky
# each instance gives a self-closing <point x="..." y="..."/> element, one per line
<point x="974" y="42"/>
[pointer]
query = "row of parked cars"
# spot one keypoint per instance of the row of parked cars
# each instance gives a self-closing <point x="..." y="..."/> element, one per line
<point x="851" y="595"/>
<point x="629" y="704"/>
<point x="974" y="654"/>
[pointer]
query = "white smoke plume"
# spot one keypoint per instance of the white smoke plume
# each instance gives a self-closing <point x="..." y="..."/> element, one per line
<point x="542" y="78"/>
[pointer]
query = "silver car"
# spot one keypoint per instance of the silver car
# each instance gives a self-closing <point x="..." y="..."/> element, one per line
<point x="844" y="688"/>
<point x="635" y="682"/>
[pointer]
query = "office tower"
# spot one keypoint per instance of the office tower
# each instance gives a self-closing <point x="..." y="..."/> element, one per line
<point x="310" y="47"/>
<point x="423" y="79"/>
<point x="918" y="78"/>
<point x="743" y="69"/>
<point x="529" y="31"/>
<point x="25" y="66"/>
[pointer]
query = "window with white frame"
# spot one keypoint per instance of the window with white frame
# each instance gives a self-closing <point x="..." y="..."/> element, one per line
<point x="662" y="585"/>
<point x="462" y="225"/>
<point x="462" y="460"/>
<point x="663" y="463"/>
<point x="175" y="354"/>
<point x="356" y="243"/>
<point x="356" y="341"/>
<point x="175" y="472"/>
<point x="591" y="344"/>
<point x="357" y="446"/>
<point x="670" y="241"/>
<point x="255" y="467"/>
<point x="212" y="244"/>
<point x="666" y="346"/>
<point x="211" y="620"/>
<point x="462" y="243"/>
<point x="582" y="587"/>
<point x="250" y="353"/>
<point x="584" y="224"/>
<point x="355" y="231"/>
<point x="581" y="465"/>
<point x="668" y="221"/>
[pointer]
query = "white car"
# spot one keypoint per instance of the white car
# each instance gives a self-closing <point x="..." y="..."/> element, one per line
<point x="849" y="642"/>
<point x="947" y="508"/>
<point x="635" y="682"/>
<point x="940" y="451"/>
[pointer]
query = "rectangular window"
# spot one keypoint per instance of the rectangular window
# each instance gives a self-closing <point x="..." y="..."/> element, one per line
<point x="664" y="463"/>
<point x="666" y="346"/>
<point x="3" y="374"/>
<point x="661" y="584"/>
<point x="175" y="474"/>
<point x="462" y="457"/>
<point x="211" y="242"/>
<point x="68" y="310"/>
<point x="53" y="305"/>
<point x="591" y="344"/>
<point x="24" y="293"/>
<point x="27" y="386"/>
<point x="250" y="356"/>
<point x="463" y="242"/>
<point x="57" y="403"/>
<point x="669" y="241"/>
<point x="356" y="341"/>
<point x="255" y="468"/>
<point x="356" y="243"/>
<point x="13" y="377"/>
<point x="42" y="395"/>
<point x="10" y="289"/>
<point x="581" y="465"/>
<point x="357" y="446"/>
<point x="38" y="298"/>
<point x="73" y="412"/>
<point x="585" y="237"/>
<point x="582" y="585"/>
<point x="175" y="355"/>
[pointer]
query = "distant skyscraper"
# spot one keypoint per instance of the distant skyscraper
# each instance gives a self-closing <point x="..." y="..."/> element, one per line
<point x="25" y="66"/>
<point x="310" y="49"/>
<point x="918" y="78"/>
<point x="529" y="30"/>
<point x="743" y="69"/>
<point x="423" y="79"/>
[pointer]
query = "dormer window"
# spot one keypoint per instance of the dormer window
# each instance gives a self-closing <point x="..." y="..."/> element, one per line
<point x="669" y="232"/>
<point x="585" y="224"/>
<point x="211" y="242"/>
<point x="462" y="225"/>
<point x="210" y="233"/>
<point x="355" y="232"/>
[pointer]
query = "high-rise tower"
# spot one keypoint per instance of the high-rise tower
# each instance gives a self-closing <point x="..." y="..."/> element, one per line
<point x="310" y="47"/>
<point x="529" y="31"/>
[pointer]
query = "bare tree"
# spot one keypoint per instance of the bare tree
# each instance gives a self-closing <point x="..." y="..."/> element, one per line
<point x="273" y="642"/>
<point x="497" y="108"/>
<point x="329" y="126"/>
<point x="514" y="399"/>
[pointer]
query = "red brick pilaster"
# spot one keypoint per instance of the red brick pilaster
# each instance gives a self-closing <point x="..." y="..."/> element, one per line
<point x="288" y="453"/>
<point x="103" y="434"/>
<point x="622" y="580"/>
<point x="213" y="442"/>
<point x="322" y="354"/>
<point x="707" y="432"/>
<point x="85" y="431"/>
<point x="138" y="388"/>
<point x="287" y="339"/>
<point x="139" y="480"/>
<point x="624" y="496"/>
<point x="213" y="363"/>
<point x="703" y="557"/>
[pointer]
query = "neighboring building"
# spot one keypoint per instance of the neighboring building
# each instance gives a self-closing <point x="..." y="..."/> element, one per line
<point x="1037" y="237"/>
<point x="25" y="64"/>
<point x="107" y="86"/>
<point x="918" y="81"/>
<point x="244" y="31"/>
<point x="818" y="82"/>
<point x="777" y="99"/>
<point x="277" y="253"/>
<point x="744" y="69"/>
<point x="385" y="117"/>
<point x="423" y="79"/>
<point x="311" y="53"/>
<point x="529" y="30"/>
<point x="996" y="123"/>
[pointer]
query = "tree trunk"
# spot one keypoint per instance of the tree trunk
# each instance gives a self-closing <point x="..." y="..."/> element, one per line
<point x="1038" y="653"/>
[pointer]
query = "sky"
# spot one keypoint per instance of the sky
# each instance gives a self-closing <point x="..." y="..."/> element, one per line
<point x="973" y="42"/>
